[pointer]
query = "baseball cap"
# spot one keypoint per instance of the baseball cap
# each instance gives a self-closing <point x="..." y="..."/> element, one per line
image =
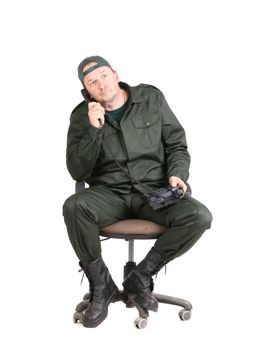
<point x="100" y="62"/>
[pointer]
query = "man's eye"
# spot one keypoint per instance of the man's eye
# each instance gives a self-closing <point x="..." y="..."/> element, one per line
<point x="104" y="76"/>
<point x="93" y="83"/>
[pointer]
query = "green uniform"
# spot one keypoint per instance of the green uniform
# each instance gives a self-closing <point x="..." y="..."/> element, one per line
<point x="150" y="143"/>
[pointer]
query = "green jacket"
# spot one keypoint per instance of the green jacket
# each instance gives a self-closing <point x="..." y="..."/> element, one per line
<point x="149" y="142"/>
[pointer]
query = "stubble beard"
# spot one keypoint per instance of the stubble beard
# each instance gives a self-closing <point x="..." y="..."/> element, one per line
<point x="107" y="103"/>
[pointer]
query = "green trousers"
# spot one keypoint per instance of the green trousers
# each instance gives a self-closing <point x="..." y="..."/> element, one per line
<point x="86" y="212"/>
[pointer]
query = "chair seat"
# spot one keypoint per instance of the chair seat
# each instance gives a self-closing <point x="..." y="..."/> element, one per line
<point x="133" y="229"/>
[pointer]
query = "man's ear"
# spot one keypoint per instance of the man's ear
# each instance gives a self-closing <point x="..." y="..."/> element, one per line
<point x="116" y="76"/>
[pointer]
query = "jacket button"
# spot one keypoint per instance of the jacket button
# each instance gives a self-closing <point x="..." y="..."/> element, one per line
<point x="147" y="123"/>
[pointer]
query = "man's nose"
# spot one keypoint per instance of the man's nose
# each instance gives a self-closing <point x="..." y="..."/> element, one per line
<point x="101" y="84"/>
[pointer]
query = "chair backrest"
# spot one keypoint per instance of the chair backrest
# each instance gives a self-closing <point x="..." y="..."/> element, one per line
<point x="79" y="186"/>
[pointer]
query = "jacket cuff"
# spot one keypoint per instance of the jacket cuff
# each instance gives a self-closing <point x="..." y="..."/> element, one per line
<point x="183" y="175"/>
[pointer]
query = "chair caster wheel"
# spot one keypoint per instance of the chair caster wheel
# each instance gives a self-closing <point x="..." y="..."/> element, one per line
<point x="77" y="317"/>
<point x="184" y="314"/>
<point x="140" y="322"/>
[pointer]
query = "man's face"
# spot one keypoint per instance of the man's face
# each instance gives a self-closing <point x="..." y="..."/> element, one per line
<point x="102" y="83"/>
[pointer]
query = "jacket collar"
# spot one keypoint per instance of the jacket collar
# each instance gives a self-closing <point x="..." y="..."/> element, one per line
<point x="133" y="94"/>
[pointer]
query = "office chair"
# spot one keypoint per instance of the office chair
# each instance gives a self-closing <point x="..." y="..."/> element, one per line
<point x="130" y="230"/>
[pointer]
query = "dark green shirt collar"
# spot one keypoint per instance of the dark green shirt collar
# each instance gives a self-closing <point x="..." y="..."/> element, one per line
<point x="133" y="95"/>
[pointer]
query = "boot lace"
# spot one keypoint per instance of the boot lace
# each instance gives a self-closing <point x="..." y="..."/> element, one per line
<point x="91" y="283"/>
<point x="82" y="278"/>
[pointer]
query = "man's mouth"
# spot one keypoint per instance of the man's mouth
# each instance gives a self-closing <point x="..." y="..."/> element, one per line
<point x="105" y="92"/>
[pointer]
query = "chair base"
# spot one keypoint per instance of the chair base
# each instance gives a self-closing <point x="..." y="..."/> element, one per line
<point x="141" y="321"/>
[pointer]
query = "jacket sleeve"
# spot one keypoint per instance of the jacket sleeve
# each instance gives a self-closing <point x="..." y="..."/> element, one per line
<point x="175" y="145"/>
<point x="83" y="146"/>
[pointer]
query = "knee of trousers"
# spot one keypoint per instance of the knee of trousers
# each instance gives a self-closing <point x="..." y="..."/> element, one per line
<point x="193" y="212"/>
<point x="69" y="206"/>
<point x="76" y="206"/>
<point x="204" y="217"/>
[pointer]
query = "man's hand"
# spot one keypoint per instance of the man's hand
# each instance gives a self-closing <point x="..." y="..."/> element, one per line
<point x="96" y="112"/>
<point x="174" y="181"/>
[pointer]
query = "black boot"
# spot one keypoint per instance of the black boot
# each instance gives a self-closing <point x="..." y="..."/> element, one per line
<point x="103" y="291"/>
<point x="140" y="282"/>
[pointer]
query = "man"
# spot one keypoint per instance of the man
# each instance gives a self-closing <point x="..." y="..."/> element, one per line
<point x="135" y="126"/>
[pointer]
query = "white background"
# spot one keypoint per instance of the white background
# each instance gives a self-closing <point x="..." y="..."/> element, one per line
<point x="200" y="54"/>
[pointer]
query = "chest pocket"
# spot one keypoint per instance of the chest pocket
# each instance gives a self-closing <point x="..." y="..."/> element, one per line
<point x="148" y="128"/>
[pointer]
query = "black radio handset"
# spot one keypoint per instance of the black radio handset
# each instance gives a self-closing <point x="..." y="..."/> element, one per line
<point x="100" y="123"/>
<point x="86" y="96"/>
<point x="88" y="99"/>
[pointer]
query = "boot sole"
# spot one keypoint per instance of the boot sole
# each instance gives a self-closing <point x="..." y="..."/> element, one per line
<point x="140" y="301"/>
<point x="130" y="288"/>
<point x="103" y="315"/>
